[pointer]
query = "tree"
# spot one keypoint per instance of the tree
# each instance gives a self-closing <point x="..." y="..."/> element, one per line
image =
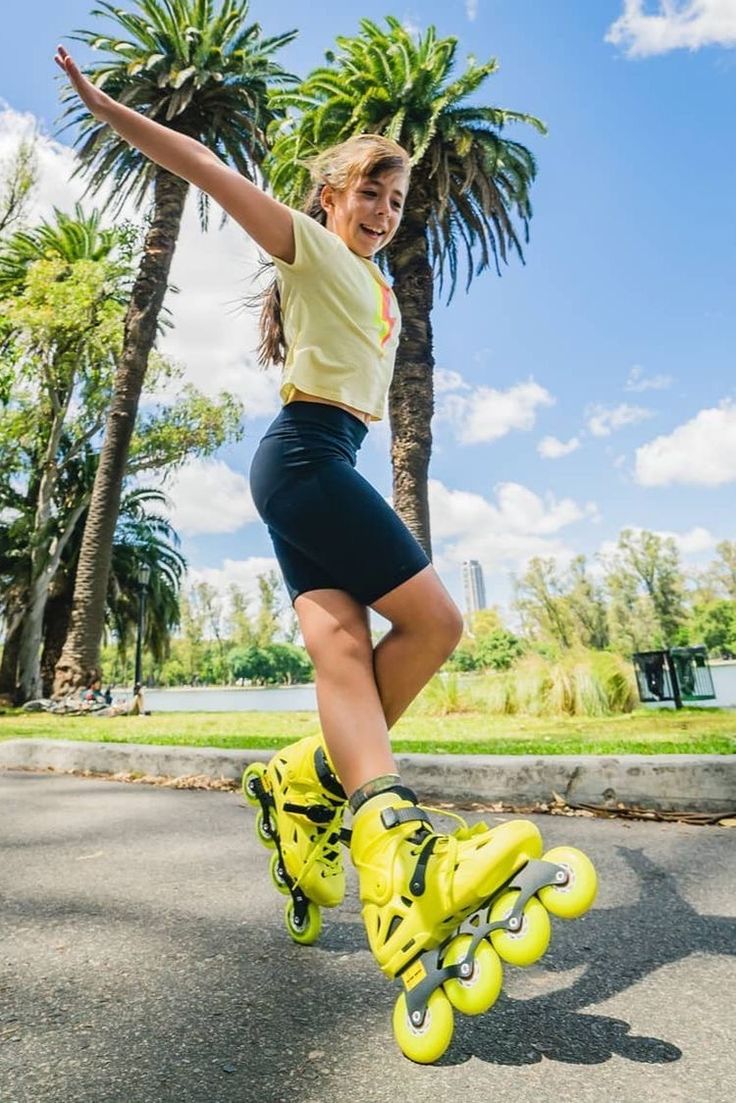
<point x="541" y="600"/>
<point x="724" y="568"/>
<point x="206" y="74"/>
<point x="267" y="621"/>
<point x="647" y="590"/>
<point x="467" y="183"/>
<point x="714" y="624"/>
<point x="587" y="605"/>
<point x="17" y="182"/>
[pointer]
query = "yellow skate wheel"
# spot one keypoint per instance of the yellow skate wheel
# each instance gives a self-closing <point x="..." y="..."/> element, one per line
<point x="473" y="995"/>
<point x="426" y="1043"/>
<point x="574" y="898"/>
<point x="277" y="873"/>
<point x="264" y="830"/>
<point x="306" y="932"/>
<point x="525" y="946"/>
<point x="253" y="773"/>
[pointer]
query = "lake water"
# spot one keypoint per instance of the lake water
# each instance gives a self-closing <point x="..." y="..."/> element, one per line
<point x="275" y="699"/>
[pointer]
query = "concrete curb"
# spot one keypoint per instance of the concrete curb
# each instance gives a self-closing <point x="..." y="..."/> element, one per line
<point x="664" y="783"/>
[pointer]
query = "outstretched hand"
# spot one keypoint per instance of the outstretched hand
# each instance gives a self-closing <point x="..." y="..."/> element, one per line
<point x="91" y="96"/>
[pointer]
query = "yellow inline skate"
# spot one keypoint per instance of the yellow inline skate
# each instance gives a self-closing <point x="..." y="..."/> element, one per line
<point x="442" y="911"/>
<point x="301" y="807"/>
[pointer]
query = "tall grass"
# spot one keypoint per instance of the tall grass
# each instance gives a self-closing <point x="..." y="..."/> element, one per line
<point x="581" y="683"/>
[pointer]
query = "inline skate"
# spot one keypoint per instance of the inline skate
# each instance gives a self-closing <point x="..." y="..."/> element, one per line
<point x="443" y="911"/>
<point x="301" y="808"/>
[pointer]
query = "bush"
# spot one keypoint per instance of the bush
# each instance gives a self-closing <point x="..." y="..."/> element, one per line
<point x="578" y="683"/>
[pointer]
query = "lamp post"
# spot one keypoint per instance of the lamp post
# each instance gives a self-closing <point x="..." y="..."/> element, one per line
<point x="144" y="574"/>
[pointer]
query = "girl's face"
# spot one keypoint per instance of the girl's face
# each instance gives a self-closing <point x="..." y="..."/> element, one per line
<point x="366" y="215"/>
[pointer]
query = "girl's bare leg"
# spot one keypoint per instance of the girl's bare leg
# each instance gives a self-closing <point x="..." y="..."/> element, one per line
<point x="362" y="692"/>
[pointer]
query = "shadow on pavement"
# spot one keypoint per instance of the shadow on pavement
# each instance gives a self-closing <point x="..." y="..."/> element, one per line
<point x="620" y="947"/>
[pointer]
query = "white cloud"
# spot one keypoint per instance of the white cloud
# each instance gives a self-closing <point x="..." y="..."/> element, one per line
<point x="207" y="496"/>
<point x="637" y="381"/>
<point x="487" y="414"/>
<point x="471" y="9"/>
<point x="213" y="337"/>
<point x="504" y="534"/>
<point x="602" y="421"/>
<point x="55" y="164"/>
<point x="700" y="452"/>
<point x="550" y="448"/>
<point x="445" y="380"/>
<point x="676" y="24"/>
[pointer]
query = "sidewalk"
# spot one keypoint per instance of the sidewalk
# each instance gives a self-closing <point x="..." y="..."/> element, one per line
<point x="663" y="783"/>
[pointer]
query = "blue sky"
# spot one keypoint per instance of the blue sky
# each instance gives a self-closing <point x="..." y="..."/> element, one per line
<point x="586" y="391"/>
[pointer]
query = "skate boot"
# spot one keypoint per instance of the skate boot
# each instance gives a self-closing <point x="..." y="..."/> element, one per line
<point x="441" y="911"/>
<point x="300" y="817"/>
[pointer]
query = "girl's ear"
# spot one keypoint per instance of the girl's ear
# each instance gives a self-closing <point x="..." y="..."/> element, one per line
<point x="326" y="198"/>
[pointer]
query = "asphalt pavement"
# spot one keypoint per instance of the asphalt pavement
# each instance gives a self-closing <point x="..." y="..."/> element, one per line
<point x="143" y="959"/>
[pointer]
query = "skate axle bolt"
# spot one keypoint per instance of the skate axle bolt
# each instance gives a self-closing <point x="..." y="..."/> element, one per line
<point x="514" y="922"/>
<point x="417" y="1018"/>
<point x="562" y="877"/>
<point x="466" y="969"/>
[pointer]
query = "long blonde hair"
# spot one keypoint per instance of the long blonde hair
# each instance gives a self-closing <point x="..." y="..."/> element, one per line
<point x="339" y="166"/>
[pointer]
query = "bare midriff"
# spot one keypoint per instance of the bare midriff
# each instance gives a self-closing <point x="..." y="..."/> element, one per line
<point x="300" y="396"/>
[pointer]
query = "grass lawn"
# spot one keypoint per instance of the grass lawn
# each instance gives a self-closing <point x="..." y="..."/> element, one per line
<point x="664" y="731"/>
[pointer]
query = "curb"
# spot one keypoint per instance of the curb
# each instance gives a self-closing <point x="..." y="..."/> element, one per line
<point x="663" y="783"/>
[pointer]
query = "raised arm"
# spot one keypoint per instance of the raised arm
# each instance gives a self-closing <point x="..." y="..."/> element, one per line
<point x="266" y="220"/>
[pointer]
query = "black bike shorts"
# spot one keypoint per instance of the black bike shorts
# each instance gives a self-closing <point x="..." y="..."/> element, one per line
<point x="329" y="527"/>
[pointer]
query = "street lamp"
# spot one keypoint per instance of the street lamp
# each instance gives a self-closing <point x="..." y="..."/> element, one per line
<point x="144" y="574"/>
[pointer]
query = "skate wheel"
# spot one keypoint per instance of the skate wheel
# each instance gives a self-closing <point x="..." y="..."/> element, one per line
<point x="264" y="831"/>
<point x="278" y="874"/>
<point x="307" y="931"/>
<point x="572" y="899"/>
<point x="475" y="994"/>
<point x="529" y="942"/>
<point x="426" y="1042"/>
<point x="251" y="774"/>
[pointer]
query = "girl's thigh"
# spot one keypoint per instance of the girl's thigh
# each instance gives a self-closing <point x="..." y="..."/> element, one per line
<point x="338" y="525"/>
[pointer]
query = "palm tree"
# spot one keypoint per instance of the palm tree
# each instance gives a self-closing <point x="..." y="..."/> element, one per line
<point x="140" y="537"/>
<point x="205" y="73"/>
<point x="468" y="181"/>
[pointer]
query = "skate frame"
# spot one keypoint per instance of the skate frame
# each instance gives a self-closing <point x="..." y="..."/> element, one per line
<point x="536" y="874"/>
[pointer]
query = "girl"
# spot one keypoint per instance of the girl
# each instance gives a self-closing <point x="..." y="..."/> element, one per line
<point x="333" y="320"/>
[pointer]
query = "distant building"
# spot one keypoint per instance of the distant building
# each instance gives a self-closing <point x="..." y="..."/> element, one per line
<point x="473" y="586"/>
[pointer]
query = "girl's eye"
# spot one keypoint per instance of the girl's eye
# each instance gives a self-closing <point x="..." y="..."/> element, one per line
<point x="370" y="194"/>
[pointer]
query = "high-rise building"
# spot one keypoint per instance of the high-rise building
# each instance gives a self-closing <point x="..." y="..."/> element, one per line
<point x="473" y="586"/>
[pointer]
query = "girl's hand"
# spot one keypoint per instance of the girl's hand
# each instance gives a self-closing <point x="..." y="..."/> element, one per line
<point x="94" y="98"/>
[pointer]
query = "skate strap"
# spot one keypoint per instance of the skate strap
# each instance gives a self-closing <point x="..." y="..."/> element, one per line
<point x="418" y="880"/>
<point x="392" y="817"/>
<point x="315" y="813"/>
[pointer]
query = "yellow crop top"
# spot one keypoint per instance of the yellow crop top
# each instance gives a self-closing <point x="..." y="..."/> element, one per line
<point x="341" y="322"/>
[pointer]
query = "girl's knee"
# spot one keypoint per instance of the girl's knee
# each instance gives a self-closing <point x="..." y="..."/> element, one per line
<point x="334" y="630"/>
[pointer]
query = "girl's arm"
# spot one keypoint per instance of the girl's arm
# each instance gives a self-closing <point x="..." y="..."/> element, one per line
<point x="266" y="220"/>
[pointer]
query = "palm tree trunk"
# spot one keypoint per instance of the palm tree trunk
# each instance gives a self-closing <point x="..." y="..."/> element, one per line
<point x="11" y="646"/>
<point x="56" y="626"/>
<point x="411" y="397"/>
<point x="82" y="648"/>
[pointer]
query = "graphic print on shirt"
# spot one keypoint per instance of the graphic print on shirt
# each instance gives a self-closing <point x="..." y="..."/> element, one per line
<point x="386" y="319"/>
